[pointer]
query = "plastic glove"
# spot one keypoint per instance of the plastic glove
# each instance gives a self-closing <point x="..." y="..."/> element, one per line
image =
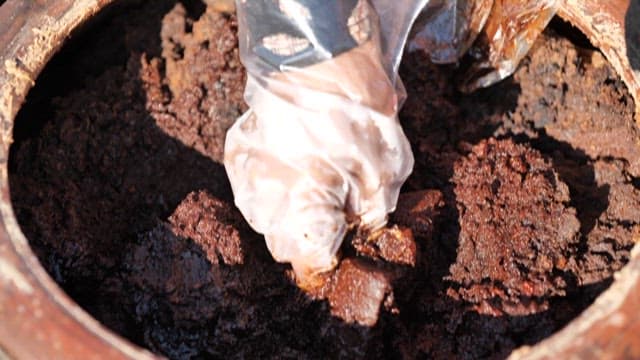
<point x="321" y="147"/>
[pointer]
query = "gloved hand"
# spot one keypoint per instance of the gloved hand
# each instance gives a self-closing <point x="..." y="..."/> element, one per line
<point x="321" y="147"/>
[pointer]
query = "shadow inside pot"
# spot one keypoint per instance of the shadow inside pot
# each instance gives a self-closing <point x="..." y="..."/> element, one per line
<point x="632" y="33"/>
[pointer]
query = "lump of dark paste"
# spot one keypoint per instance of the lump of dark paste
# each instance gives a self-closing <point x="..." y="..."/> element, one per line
<point x="363" y="284"/>
<point x="517" y="232"/>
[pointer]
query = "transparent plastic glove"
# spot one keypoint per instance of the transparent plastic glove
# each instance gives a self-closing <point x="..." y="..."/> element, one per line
<point x="321" y="146"/>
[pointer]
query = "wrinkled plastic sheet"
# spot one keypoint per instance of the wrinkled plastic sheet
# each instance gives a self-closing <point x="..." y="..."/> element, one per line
<point x="499" y="33"/>
<point x="445" y="29"/>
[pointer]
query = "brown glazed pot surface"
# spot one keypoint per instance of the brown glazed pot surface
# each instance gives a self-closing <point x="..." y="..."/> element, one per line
<point x="38" y="320"/>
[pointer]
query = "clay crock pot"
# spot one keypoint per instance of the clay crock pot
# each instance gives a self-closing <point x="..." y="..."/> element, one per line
<point x="39" y="321"/>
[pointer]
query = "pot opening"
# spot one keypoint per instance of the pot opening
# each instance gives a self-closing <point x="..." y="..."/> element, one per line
<point x="116" y="180"/>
